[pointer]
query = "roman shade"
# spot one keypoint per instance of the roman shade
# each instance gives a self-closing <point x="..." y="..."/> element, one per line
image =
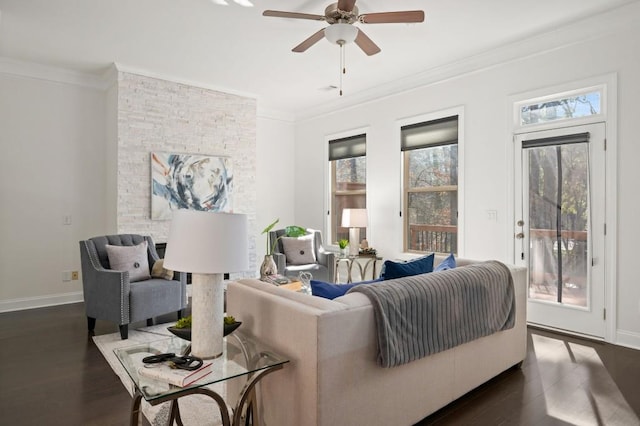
<point x="556" y="140"/>
<point x="443" y="131"/>
<point x="353" y="146"/>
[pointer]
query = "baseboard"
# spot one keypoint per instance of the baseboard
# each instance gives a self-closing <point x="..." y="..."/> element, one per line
<point x="40" y="302"/>
<point x="628" y="339"/>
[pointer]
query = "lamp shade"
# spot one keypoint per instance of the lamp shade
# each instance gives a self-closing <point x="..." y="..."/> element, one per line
<point x="354" y="218"/>
<point x="336" y="32"/>
<point x="207" y="243"/>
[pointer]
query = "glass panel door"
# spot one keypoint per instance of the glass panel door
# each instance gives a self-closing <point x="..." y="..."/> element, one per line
<point x="558" y="223"/>
<point x="559" y="234"/>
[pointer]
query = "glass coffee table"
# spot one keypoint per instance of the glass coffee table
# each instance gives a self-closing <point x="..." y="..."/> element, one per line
<point x="243" y="357"/>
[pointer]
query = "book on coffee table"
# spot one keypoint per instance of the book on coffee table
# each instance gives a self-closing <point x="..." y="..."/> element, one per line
<point x="175" y="376"/>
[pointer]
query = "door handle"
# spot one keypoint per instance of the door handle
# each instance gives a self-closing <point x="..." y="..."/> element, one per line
<point x="520" y="235"/>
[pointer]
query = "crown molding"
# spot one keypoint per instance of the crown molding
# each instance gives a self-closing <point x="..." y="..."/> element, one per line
<point x="269" y="113"/>
<point x="193" y="83"/>
<point x="262" y="111"/>
<point x="48" y="73"/>
<point x="577" y="32"/>
<point x="110" y="76"/>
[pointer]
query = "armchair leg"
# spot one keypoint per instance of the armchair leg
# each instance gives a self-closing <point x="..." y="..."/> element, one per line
<point x="124" y="331"/>
<point x="91" y="323"/>
<point x="149" y="322"/>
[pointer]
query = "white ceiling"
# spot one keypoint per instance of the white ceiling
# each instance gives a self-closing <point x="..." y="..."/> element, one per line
<point x="234" y="48"/>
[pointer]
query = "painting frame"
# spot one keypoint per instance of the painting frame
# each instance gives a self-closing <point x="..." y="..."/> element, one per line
<point x="190" y="181"/>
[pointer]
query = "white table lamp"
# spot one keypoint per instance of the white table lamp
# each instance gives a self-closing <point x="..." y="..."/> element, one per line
<point x="354" y="219"/>
<point x="207" y="245"/>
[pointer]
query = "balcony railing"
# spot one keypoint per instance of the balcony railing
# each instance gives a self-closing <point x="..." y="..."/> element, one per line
<point x="433" y="238"/>
<point x="444" y="238"/>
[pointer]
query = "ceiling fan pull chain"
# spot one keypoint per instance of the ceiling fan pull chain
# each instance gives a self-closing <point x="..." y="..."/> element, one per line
<point x="342" y="68"/>
<point x="344" y="60"/>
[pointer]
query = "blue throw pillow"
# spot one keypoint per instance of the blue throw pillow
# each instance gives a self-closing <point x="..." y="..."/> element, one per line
<point x="448" y="263"/>
<point x="331" y="291"/>
<point x="421" y="265"/>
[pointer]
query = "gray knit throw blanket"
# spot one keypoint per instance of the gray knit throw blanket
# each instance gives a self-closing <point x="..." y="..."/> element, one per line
<point x="424" y="314"/>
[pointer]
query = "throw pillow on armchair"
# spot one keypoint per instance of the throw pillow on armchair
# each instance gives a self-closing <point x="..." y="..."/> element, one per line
<point x="299" y="251"/>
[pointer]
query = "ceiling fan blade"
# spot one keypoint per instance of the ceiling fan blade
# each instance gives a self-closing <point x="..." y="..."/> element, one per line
<point x="366" y="44"/>
<point x="407" y="16"/>
<point x="309" y="42"/>
<point x="346" y="5"/>
<point x="294" y="15"/>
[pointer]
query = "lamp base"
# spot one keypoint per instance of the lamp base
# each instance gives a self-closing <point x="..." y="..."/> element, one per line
<point x="207" y="315"/>
<point x="354" y="241"/>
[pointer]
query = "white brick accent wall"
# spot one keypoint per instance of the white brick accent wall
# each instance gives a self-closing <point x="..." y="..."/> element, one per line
<point x="162" y="116"/>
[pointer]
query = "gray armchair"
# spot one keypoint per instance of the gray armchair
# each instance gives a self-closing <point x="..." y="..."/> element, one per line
<point x="109" y="295"/>
<point x="323" y="269"/>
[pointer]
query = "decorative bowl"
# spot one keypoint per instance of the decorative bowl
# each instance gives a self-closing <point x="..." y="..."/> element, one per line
<point x="185" y="333"/>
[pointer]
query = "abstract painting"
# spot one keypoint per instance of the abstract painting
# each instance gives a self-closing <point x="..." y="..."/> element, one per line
<point x="190" y="181"/>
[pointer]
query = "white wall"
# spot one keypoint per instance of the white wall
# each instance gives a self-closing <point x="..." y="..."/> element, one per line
<point x="52" y="165"/>
<point x="484" y="94"/>
<point x="59" y="135"/>
<point x="275" y="173"/>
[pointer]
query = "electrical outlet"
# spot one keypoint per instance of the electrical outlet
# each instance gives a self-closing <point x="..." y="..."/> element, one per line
<point x="66" y="276"/>
<point x="74" y="275"/>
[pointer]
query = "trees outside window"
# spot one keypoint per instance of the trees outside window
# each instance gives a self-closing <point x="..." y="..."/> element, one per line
<point x="348" y="162"/>
<point x="430" y="195"/>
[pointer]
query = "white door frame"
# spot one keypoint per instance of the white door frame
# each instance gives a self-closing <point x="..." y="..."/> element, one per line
<point x="608" y="84"/>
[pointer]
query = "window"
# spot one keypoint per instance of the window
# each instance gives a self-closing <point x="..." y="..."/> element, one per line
<point x="430" y="195"/>
<point x="348" y="161"/>
<point x="562" y="107"/>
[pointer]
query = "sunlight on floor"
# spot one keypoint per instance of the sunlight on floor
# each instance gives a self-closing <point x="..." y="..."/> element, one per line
<point x="587" y="394"/>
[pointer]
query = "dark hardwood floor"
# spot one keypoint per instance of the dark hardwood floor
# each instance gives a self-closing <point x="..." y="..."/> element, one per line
<point x="51" y="373"/>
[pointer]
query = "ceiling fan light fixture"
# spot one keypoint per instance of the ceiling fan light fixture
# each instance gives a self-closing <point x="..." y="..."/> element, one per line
<point x="340" y="33"/>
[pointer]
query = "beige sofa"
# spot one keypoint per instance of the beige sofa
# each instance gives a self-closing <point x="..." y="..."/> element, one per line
<point x="333" y="378"/>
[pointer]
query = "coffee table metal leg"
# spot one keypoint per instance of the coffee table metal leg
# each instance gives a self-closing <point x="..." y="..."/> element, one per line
<point x="175" y="413"/>
<point x="175" y="409"/>
<point x="248" y="394"/>
<point x="224" y="410"/>
<point x="135" y="408"/>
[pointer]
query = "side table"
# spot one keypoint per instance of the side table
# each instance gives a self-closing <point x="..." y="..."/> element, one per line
<point x="363" y="262"/>
<point x="242" y="356"/>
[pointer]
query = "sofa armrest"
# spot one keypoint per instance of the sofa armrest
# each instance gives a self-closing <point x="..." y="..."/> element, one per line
<point x="106" y="292"/>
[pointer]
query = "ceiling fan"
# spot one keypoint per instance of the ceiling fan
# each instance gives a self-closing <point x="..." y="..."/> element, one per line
<point x="340" y="16"/>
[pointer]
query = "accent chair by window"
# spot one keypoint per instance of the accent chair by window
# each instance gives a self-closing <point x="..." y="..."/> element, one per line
<point x="294" y="255"/>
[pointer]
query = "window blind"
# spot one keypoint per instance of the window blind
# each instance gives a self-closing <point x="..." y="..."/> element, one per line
<point x="353" y="146"/>
<point x="443" y="131"/>
<point x="556" y="140"/>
